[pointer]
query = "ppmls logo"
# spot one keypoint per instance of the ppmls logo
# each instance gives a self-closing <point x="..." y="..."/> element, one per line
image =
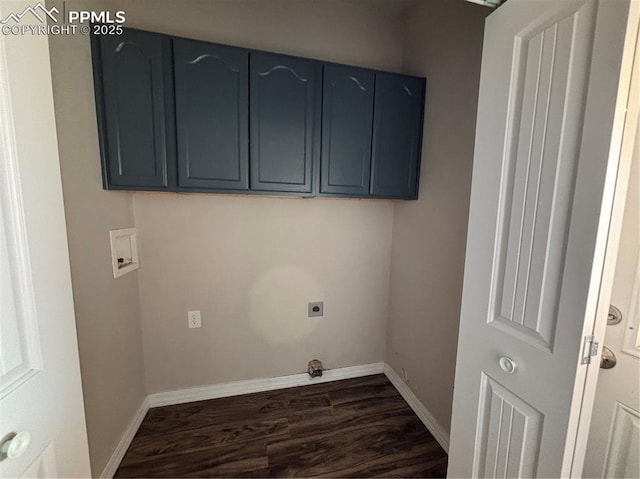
<point x="104" y="22"/>
<point x="39" y="11"/>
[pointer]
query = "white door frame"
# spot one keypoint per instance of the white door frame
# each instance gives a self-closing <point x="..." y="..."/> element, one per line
<point x="627" y="116"/>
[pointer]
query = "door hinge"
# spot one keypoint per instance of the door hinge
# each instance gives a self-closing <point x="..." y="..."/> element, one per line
<point x="589" y="349"/>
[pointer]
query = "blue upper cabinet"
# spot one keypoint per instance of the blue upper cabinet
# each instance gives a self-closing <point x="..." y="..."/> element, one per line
<point x="397" y="135"/>
<point x="131" y="91"/>
<point x="212" y="115"/>
<point x="185" y="115"/>
<point x="285" y="122"/>
<point x="347" y="116"/>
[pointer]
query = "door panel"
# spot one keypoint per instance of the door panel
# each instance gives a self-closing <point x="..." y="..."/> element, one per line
<point x="623" y="451"/>
<point x="540" y="160"/>
<point x="545" y="119"/>
<point x="211" y="91"/>
<point x="508" y="433"/>
<point x="397" y="135"/>
<point x="285" y="122"/>
<point x="21" y="353"/>
<point x="134" y="105"/>
<point x="347" y="115"/>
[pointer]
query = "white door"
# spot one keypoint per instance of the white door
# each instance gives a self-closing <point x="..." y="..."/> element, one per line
<point x="542" y="180"/>
<point x="614" y="437"/>
<point x="40" y="390"/>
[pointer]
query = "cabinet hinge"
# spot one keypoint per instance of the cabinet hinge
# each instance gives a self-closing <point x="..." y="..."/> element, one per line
<point x="589" y="349"/>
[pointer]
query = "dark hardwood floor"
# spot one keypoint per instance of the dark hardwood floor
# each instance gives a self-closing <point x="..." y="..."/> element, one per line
<point x="352" y="428"/>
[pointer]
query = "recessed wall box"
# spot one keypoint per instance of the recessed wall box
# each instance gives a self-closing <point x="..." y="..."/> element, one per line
<point x="316" y="308"/>
<point x="124" y="251"/>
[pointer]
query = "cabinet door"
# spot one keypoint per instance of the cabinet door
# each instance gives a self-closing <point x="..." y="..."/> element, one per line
<point x="285" y="122"/>
<point x="397" y="135"/>
<point x="131" y="80"/>
<point x="347" y="115"/>
<point x="211" y="90"/>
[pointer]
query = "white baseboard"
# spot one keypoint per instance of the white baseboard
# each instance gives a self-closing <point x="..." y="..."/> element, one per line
<point x="125" y="441"/>
<point x="249" y="386"/>
<point x="438" y="432"/>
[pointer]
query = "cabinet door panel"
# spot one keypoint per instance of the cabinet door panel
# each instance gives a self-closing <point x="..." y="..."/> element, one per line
<point x="285" y="93"/>
<point x="133" y="88"/>
<point x="347" y="113"/>
<point x="397" y="135"/>
<point x="211" y="90"/>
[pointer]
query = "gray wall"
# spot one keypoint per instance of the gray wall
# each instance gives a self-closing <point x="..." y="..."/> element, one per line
<point x="251" y="264"/>
<point x="107" y="310"/>
<point x="443" y="42"/>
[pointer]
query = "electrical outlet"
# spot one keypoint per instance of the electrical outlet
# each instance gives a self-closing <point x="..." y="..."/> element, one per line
<point x="194" y="318"/>
<point x="405" y="375"/>
<point x="316" y="308"/>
